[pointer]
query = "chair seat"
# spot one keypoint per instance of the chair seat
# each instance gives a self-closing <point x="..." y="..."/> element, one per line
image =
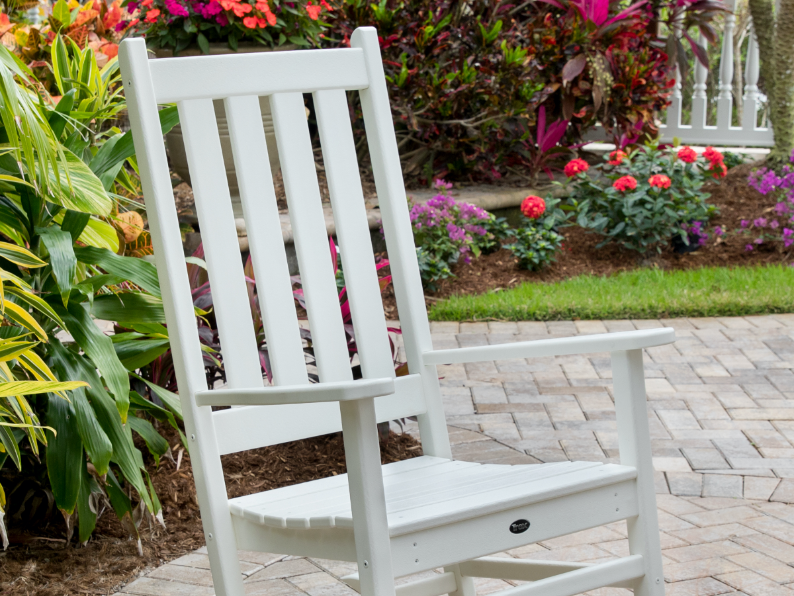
<point x="426" y="492"/>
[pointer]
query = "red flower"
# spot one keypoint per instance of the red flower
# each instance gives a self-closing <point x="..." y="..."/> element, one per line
<point x="625" y="183"/>
<point x="111" y="50"/>
<point x="617" y="157"/>
<point x="250" y="22"/>
<point x="718" y="169"/>
<point x="152" y="15"/>
<point x="713" y="155"/>
<point x="575" y="166"/>
<point x="687" y="155"/>
<point x="533" y="207"/>
<point x="659" y="181"/>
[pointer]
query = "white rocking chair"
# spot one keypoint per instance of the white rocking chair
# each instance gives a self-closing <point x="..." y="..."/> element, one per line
<point x="394" y="520"/>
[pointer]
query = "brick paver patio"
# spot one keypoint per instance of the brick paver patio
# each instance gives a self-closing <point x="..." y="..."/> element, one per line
<point x="721" y="407"/>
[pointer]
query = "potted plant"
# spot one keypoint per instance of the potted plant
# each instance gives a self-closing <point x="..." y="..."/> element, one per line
<point x="195" y="27"/>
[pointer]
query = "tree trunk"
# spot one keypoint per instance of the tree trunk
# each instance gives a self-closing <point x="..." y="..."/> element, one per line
<point x="783" y="107"/>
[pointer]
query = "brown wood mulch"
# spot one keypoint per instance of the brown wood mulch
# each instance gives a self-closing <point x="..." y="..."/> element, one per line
<point x="734" y="198"/>
<point x="40" y="563"/>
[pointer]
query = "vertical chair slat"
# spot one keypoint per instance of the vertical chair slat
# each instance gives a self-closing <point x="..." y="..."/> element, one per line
<point x="221" y="248"/>
<point x="311" y="240"/>
<point x="399" y="238"/>
<point x="264" y="236"/>
<point x="347" y="200"/>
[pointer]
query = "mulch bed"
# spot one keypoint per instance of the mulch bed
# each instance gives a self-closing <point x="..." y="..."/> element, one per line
<point x="734" y="198"/>
<point x="41" y="563"/>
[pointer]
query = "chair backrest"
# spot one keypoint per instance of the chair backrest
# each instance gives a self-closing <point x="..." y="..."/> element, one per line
<point x="283" y="76"/>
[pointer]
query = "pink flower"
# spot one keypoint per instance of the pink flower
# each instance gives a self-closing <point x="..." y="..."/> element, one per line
<point x="687" y="155"/>
<point x="533" y="207"/>
<point x="575" y="166"/>
<point x="625" y="183"/>
<point x="659" y="181"/>
<point x="176" y="9"/>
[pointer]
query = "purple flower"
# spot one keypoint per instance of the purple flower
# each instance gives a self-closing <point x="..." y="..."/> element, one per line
<point x="759" y="240"/>
<point x="773" y="224"/>
<point x="760" y="222"/>
<point x="718" y="231"/>
<point x="745" y="223"/>
<point x="748" y="247"/>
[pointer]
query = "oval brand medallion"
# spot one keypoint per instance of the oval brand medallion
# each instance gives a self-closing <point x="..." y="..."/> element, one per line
<point x="519" y="526"/>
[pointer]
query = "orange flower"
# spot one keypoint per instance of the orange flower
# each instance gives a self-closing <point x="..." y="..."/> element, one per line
<point x="313" y="11"/>
<point x="533" y="207"/>
<point x="326" y="5"/>
<point x="152" y="15"/>
<point x="4" y="21"/>
<point x="713" y="155"/>
<point x="113" y="15"/>
<point x="718" y="169"/>
<point x="147" y="3"/>
<point x="241" y="9"/>
<point x="228" y="4"/>
<point x="250" y="22"/>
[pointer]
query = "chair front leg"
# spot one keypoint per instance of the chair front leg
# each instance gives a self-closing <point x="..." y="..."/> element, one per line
<point x="367" y="497"/>
<point x="634" y="443"/>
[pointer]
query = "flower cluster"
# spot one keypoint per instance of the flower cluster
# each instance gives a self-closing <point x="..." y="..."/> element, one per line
<point x="625" y="183"/>
<point x="533" y="207"/>
<point x="177" y="23"/>
<point x="716" y="161"/>
<point x="660" y="181"/>
<point x="778" y="228"/>
<point x="616" y="157"/>
<point x="575" y="166"/>
<point x="446" y="230"/>
<point x="696" y="233"/>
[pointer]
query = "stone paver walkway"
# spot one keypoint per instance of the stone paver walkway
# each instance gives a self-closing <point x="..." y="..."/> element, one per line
<point x="721" y="408"/>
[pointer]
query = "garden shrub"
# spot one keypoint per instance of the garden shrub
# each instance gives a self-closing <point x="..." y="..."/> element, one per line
<point x="446" y="230"/>
<point x="644" y="199"/>
<point x="536" y="241"/>
<point x="467" y="82"/>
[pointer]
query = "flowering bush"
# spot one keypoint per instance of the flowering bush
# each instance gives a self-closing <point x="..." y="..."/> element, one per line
<point x="177" y="24"/>
<point x="537" y="240"/>
<point x="651" y="197"/>
<point x="446" y="230"/>
<point x="777" y="229"/>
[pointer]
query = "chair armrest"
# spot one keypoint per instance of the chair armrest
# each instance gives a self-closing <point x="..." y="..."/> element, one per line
<point x="583" y="344"/>
<point x="297" y="394"/>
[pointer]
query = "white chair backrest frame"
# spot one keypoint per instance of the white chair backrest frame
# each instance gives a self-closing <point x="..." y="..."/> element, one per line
<point x="283" y="76"/>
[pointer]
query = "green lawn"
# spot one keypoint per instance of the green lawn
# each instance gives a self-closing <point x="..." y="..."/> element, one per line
<point x="642" y="294"/>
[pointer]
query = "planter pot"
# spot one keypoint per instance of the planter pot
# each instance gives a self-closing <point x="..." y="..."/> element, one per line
<point x="176" y="147"/>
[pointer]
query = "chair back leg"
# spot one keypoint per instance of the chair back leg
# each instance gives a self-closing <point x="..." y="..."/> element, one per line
<point x="634" y="443"/>
<point x="464" y="582"/>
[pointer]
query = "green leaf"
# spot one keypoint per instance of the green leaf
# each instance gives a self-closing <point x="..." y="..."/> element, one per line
<point x="60" y="54"/>
<point x="121" y="503"/>
<point x="169" y="398"/>
<point x="139" y="403"/>
<point x="64" y="454"/>
<point x="125" y="454"/>
<point x="97" y="444"/>
<point x="56" y="118"/>
<point x="203" y="43"/>
<point x="135" y="354"/>
<point x="80" y="189"/>
<point x="19" y="255"/>
<point x="112" y="157"/>
<point x="100" y="234"/>
<point x="99" y="349"/>
<point x="128" y="308"/>
<point x="11" y="446"/>
<point x="12" y="349"/>
<point x="155" y="443"/>
<point x="86" y="513"/>
<point x="62" y="259"/>
<point x="140" y="272"/>
<point x="37" y="387"/>
<point x="75" y="222"/>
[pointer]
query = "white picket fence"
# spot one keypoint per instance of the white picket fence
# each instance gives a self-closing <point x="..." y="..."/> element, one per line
<point x="697" y="132"/>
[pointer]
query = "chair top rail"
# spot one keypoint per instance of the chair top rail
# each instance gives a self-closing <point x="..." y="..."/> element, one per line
<point x="297" y="394"/>
<point x="263" y="73"/>
<point x="586" y="344"/>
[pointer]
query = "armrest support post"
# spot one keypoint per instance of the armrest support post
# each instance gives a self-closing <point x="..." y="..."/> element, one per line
<point x="634" y="443"/>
